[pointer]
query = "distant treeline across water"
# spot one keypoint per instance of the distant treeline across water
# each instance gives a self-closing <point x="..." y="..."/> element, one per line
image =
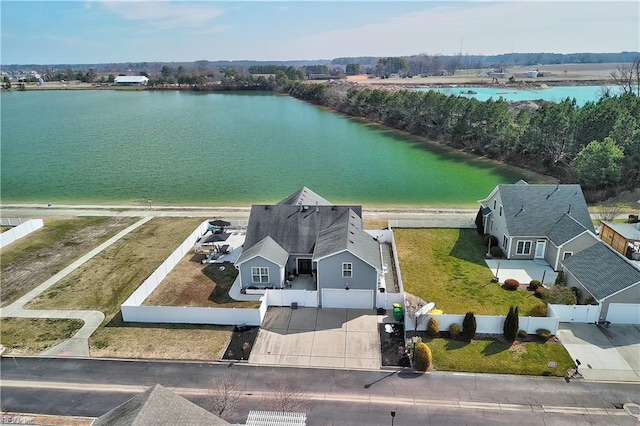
<point x="597" y="144"/>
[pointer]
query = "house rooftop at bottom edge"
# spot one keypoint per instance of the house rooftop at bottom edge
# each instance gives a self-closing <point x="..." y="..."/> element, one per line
<point x="306" y="235"/>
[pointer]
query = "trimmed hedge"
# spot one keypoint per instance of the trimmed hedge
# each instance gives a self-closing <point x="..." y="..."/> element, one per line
<point x="469" y="326"/>
<point x="533" y="285"/>
<point x="454" y="330"/>
<point x="422" y="358"/>
<point x="433" y="328"/>
<point x="539" y="292"/>
<point x="539" y="310"/>
<point x="543" y="334"/>
<point x="511" y="284"/>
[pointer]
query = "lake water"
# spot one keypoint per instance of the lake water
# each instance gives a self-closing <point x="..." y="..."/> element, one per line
<point x="582" y="94"/>
<point x="229" y="149"/>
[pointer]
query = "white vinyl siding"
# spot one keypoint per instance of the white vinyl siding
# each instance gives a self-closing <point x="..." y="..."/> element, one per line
<point x="347" y="270"/>
<point x="260" y="274"/>
<point x="523" y="247"/>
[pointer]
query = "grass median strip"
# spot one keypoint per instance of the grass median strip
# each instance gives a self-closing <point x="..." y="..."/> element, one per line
<point x="495" y="356"/>
<point x="30" y="336"/>
<point x="446" y="266"/>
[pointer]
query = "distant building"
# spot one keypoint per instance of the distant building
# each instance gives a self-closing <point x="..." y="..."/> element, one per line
<point x="131" y="80"/>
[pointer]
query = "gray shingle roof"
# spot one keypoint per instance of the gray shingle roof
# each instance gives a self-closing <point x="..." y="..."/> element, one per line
<point x="346" y="234"/>
<point x="627" y="230"/>
<point x="543" y="206"/>
<point x="293" y="228"/>
<point x="266" y="248"/>
<point x="158" y="406"/>
<point x="305" y="197"/>
<point x="601" y="270"/>
<point x="565" y="229"/>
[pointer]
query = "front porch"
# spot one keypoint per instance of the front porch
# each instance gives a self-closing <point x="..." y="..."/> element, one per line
<point x="522" y="270"/>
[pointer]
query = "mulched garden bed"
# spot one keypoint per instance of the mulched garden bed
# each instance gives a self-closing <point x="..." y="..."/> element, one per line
<point x="241" y="343"/>
<point x="392" y="345"/>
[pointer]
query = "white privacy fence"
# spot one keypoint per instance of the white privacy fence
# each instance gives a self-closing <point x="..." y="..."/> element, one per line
<point x="304" y="298"/>
<point x="576" y="313"/>
<point x="21" y="228"/>
<point x="133" y="311"/>
<point x="489" y="324"/>
<point x="192" y="315"/>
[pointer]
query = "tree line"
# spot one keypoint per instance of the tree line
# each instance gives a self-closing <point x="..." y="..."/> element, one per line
<point x="597" y="145"/>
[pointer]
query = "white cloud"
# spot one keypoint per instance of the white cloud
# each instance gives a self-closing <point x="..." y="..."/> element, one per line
<point x="488" y="28"/>
<point x="166" y="15"/>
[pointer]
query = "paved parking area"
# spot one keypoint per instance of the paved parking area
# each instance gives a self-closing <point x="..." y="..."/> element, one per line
<point x="606" y="354"/>
<point x="311" y="337"/>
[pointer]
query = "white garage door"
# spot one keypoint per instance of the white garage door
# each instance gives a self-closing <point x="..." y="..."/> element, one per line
<point x="624" y="313"/>
<point x="338" y="298"/>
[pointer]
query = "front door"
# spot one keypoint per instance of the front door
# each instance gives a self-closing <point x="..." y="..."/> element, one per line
<point x="541" y="248"/>
<point x="304" y="266"/>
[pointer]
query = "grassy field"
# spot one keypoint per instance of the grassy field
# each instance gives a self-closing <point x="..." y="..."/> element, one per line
<point x="28" y="262"/>
<point x="191" y="283"/>
<point x="27" y="336"/>
<point x="105" y="281"/>
<point x="159" y="341"/>
<point x="446" y="266"/>
<point x="494" y="356"/>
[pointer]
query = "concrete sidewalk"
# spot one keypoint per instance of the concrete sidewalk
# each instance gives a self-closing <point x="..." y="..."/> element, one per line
<point x="78" y="345"/>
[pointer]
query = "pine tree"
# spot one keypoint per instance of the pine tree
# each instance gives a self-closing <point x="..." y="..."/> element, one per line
<point x="469" y="326"/>
<point x="511" y="325"/>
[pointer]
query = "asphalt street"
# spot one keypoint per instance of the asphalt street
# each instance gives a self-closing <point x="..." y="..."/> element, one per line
<point x="91" y="387"/>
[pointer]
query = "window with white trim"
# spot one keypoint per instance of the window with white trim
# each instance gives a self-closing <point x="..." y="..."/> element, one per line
<point x="567" y="254"/>
<point x="347" y="270"/>
<point x="500" y="210"/>
<point x="260" y="274"/>
<point x="494" y="204"/>
<point x="504" y="242"/>
<point x="523" y="247"/>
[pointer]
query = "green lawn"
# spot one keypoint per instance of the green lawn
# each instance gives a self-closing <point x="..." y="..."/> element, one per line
<point x="30" y="336"/>
<point x="446" y="266"/>
<point x="495" y="356"/>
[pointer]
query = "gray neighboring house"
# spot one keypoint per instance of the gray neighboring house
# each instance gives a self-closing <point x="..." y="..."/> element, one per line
<point x="305" y="235"/>
<point x="549" y="222"/>
<point x="610" y="279"/>
<point x="158" y="406"/>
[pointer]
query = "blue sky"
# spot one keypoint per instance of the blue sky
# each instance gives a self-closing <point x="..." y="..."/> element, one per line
<point x="94" y="31"/>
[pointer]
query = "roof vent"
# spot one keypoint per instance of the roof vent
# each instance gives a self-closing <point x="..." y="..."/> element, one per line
<point x="520" y="211"/>
<point x="551" y="193"/>
<point x="266" y="207"/>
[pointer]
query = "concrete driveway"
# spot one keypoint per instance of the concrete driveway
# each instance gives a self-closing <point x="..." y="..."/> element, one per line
<point x="606" y="354"/>
<point x="311" y="337"/>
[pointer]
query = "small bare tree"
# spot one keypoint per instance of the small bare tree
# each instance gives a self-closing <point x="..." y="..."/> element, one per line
<point x="627" y="76"/>
<point x="607" y="212"/>
<point x="226" y="392"/>
<point x="288" y="395"/>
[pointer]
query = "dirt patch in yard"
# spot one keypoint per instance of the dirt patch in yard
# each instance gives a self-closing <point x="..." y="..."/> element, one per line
<point x="191" y="283"/>
<point x="392" y="345"/>
<point x="30" y="261"/>
<point x="241" y="343"/>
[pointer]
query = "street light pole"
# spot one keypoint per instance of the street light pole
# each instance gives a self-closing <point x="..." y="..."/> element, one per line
<point x="393" y="415"/>
<point x="149" y="201"/>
